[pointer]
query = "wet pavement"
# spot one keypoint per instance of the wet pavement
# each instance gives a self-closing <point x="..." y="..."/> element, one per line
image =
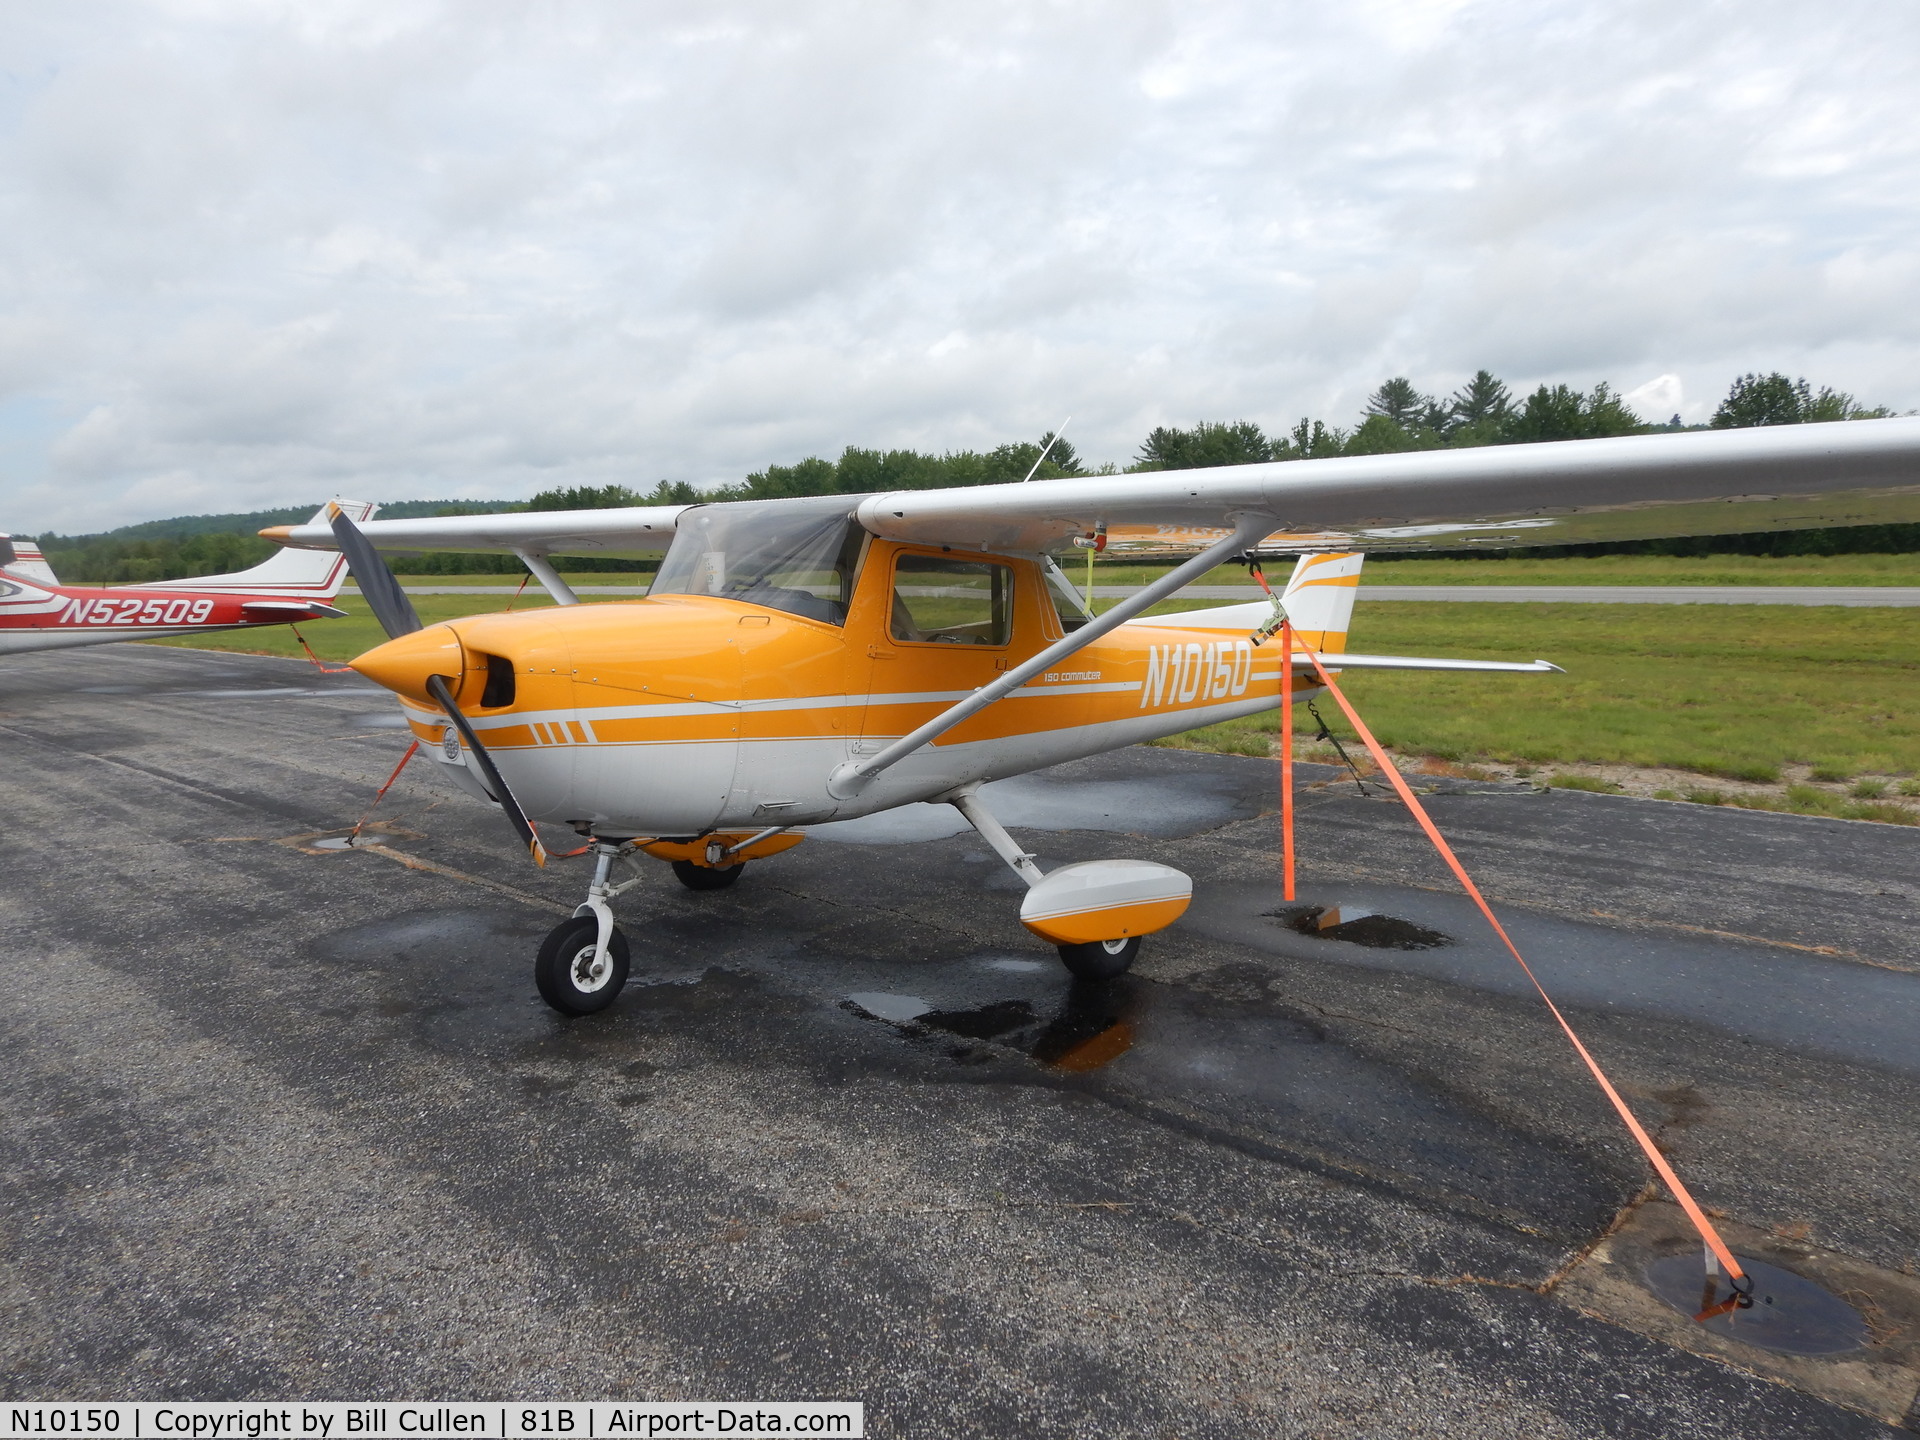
<point x="281" y="1120"/>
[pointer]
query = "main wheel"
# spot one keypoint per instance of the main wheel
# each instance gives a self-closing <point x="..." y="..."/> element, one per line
<point x="569" y="980"/>
<point x="1100" y="959"/>
<point x="705" y="877"/>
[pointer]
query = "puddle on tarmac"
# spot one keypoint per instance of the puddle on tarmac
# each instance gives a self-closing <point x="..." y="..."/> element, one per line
<point x="1359" y="926"/>
<point x="1243" y="1066"/>
<point x="1790" y="1314"/>
<point x="329" y="842"/>
<point x="1089" y="1030"/>
<point x="898" y="1009"/>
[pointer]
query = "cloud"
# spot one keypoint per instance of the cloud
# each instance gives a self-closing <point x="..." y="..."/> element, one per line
<point x="255" y="253"/>
<point x="1659" y="399"/>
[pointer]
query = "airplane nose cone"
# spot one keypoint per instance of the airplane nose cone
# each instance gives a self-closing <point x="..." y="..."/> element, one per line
<point x="403" y="665"/>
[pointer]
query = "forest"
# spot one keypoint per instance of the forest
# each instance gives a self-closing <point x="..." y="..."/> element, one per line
<point x="1397" y="417"/>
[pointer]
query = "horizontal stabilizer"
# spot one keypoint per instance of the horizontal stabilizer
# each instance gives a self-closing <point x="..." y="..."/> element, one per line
<point x="281" y="612"/>
<point x="1417" y="662"/>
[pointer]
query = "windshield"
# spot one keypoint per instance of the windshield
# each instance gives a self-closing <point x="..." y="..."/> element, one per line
<point x="794" y="555"/>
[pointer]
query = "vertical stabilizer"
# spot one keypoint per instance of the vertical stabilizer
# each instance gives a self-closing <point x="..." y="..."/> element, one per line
<point x="1319" y="597"/>
<point x="21" y="556"/>
<point x="296" y="574"/>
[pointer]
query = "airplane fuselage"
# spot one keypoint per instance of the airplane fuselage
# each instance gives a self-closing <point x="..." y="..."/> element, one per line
<point x="35" y="615"/>
<point x="679" y="714"/>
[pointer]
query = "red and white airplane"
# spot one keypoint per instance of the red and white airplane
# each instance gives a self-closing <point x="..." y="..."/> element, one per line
<point x="37" y="612"/>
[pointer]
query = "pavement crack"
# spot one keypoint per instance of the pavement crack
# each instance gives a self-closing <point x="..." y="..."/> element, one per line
<point x="1344" y="1015"/>
<point x="1626" y="1212"/>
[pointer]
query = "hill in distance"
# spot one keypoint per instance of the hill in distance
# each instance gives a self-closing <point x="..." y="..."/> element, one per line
<point x="183" y="527"/>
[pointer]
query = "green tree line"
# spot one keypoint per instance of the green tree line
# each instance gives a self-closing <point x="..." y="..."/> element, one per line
<point x="1397" y="417"/>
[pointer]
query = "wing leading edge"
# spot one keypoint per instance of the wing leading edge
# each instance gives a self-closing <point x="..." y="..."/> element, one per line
<point x="1567" y="492"/>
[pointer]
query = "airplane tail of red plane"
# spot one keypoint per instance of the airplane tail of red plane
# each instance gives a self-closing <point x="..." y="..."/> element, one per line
<point x="295" y="574"/>
<point x="21" y="556"/>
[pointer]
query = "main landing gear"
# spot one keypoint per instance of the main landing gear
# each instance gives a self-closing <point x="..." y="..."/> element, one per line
<point x="706" y="877"/>
<point x="1100" y="959"/>
<point x="1124" y="899"/>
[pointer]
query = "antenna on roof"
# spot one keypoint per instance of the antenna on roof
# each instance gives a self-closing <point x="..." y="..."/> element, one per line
<point x="1051" y="441"/>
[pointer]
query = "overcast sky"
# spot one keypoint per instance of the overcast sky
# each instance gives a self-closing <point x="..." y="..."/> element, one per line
<point x="260" y="253"/>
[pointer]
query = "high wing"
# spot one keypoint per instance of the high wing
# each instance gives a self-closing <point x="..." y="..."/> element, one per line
<point x="1633" y="487"/>
<point x="634" y="530"/>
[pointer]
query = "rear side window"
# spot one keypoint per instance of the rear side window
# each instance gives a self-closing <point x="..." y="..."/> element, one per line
<point x="940" y="601"/>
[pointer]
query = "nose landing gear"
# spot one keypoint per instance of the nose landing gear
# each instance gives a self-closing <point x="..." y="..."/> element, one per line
<point x="574" y="973"/>
<point x="583" y="961"/>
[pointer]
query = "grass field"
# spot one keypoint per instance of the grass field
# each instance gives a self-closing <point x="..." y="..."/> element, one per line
<point x="1744" y="693"/>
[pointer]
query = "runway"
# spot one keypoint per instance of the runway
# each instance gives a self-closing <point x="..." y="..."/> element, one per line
<point x="1850" y="595"/>
<point x="286" y="1122"/>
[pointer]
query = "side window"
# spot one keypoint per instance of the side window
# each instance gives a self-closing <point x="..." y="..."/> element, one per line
<point x="939" y="601"/>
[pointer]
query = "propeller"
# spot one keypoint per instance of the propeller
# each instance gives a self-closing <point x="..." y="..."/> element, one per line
<point x="378" y="585"/>
<point x="395" y="612"/>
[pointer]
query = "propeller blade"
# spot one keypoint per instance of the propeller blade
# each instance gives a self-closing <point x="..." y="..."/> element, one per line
<point x="378" y="587"/>
<point x="523" y="827"/>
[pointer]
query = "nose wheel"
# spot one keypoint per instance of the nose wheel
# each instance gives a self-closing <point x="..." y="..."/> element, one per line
<point x="573" y="976"/>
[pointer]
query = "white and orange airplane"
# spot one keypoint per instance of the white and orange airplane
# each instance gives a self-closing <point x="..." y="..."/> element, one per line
<point x="800" y="661"/>
<point x="37" y="612"/>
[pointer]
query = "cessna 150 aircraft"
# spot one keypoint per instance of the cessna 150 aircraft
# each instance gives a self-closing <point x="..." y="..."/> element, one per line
<point x="37" y="612"/>
<point x="798" y="661"/>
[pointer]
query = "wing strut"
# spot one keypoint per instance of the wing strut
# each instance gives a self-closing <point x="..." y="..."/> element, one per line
<point x="543" y="571"/>
<point x="851" y="778"/>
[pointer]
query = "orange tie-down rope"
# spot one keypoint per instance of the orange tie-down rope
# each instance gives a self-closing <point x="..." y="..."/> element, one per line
<point x="318" y="663"/>
<point x="1716" y="1247"/>
<point x="1286" y="733"/>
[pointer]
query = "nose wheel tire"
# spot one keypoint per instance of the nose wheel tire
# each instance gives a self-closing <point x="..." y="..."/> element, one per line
<point x="705" y="877"/>
<point x="566" y="974"/>
<point x="1100" y="959"/>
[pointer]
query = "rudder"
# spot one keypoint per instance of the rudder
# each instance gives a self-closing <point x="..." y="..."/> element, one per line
<point x="302" y="574"/>
<point x="1319" y="599"/>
